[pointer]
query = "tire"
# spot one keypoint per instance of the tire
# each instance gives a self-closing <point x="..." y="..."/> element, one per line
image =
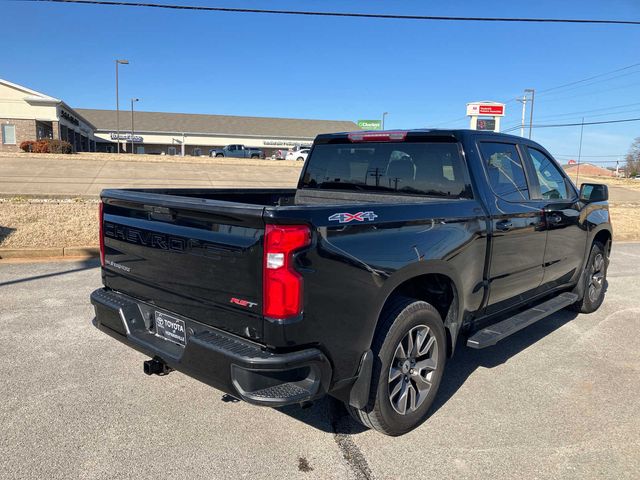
<point x="404" y="319"/>
<point x="219" y="155"/>
<point x="254" y="156"/>
<point x="300" y="159"/>
<point x="594" y="278"/>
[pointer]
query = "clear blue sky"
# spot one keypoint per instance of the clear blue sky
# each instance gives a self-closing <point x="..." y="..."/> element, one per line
<point x="422" y="73"/>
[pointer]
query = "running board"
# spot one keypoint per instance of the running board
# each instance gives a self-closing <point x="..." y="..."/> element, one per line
<point x="494" y="333"/>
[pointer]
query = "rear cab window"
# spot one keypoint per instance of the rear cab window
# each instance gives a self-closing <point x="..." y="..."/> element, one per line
<point x="433" y="169"/>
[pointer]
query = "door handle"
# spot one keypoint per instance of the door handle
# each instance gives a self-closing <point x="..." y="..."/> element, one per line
<point x="504" y="225"/>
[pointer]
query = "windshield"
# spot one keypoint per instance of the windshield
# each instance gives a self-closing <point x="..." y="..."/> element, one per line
<point x="434" y="169"/>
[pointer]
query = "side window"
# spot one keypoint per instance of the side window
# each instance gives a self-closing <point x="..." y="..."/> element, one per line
<point x="505" y="171"/>
<point x="9" y="134"/>
<point x="552" y="183"/>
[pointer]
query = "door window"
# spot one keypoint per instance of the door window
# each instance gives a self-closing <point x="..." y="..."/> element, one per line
<point x="552" y="183"/>
<point x="172" y="150"/>
<point x="505" y="171"/>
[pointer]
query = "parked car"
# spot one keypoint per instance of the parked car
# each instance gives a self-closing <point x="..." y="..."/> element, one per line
<point x="300" y="155"/>
<point x="237" y="151"/>
<point x="358" y="283"/>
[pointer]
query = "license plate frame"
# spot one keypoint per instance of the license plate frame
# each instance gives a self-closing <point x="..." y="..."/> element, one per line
<point x="170" y="328"/>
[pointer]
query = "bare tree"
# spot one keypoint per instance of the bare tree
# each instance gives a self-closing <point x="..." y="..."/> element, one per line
<point x="633" y="158"/>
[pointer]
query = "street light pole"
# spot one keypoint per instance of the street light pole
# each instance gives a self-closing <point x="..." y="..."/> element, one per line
<point x="118" y="62"/>
<point x="132" y="129"/>
<point x="533" y="95"/>
<point x="384" y="115"/>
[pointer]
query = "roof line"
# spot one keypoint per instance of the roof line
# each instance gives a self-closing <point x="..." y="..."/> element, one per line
<point x="28" y="90"/>
<point x="217" y="115"/>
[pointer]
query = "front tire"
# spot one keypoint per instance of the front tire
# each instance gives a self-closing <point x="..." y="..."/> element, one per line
<point x="595" y="278"/>
<point x="409" y="356"/>
<point x="219" y="155"/>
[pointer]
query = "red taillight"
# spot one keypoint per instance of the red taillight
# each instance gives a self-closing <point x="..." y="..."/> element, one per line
<point x="388" y="136"/>
<point x="282" y="291"/>
<point x="101" y="230"/>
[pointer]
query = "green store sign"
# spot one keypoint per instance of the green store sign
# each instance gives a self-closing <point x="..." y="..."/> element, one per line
<point x="370" y="124"/>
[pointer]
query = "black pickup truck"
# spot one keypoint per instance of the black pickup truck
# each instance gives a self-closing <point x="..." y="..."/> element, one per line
<point x="360" y="282"/>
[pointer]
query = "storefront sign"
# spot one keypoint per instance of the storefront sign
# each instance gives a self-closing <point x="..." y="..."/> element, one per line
<point x="284" y="143"/>
<point x="370" y="124"/>
<point x="127" y="137"/>
<point x="69" y="118"/>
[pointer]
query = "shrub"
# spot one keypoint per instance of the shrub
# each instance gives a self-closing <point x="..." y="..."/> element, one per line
<point x="47" y="145"/>
<point x="41" y="146"/>
<point x="60" y="146"/>
<point x="27" y="145"/>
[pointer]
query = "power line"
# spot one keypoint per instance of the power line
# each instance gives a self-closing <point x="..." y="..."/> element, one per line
<point x="575" y="124"/>
<point x="346" y="14"/>
<point x="603" y="109"/>
<point x="542" y="92"/>
<point x="592" y="156"/>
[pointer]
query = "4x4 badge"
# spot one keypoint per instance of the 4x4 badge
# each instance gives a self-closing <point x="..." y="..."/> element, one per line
<point x="350" y="217"/>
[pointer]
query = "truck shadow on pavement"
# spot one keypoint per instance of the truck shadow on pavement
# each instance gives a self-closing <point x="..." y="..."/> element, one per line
<point x="467" y="360"/>
<point x="329" y="415"/>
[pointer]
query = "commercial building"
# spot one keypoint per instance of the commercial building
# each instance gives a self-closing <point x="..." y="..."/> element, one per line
<point x="29" y="115"/>
<point x="26" y="114"/>
<point x="195" y="134"/>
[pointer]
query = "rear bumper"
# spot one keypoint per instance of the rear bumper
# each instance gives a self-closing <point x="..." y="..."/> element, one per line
<point x="236" y="366"/>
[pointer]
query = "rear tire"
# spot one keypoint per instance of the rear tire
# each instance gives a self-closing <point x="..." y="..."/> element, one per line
<point x="595" y="279"/>
<point x="300" y="159"/>
<point x="409" y="350"/>
<point x="219" y="155"/>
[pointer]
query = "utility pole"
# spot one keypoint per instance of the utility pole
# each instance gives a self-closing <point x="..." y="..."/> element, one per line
<point x="533" y="95"/>
<point x="522" y="100"/>
<point x="579" y="152"/>
<point x="118" y="62"/>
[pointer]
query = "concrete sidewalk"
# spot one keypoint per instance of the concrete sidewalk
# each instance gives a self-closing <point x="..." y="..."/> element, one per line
<point x="36" y="176"/>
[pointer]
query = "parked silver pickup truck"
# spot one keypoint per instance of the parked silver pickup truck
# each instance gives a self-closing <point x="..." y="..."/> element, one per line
<point x="237" y="151"/>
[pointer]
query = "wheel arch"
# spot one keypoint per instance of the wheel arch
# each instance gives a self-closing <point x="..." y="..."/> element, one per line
<point x="436" y="285"/>
<point x="604" y="236"/>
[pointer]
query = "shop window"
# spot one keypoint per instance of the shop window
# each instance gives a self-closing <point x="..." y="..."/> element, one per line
<point x="172" y="150"/>
<point x="9" y="134"/>
<point x="139" y="149"/>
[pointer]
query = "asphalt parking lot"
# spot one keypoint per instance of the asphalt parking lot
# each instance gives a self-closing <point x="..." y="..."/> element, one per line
<point x="557" y="400"/>
<point x="37" y="176"/>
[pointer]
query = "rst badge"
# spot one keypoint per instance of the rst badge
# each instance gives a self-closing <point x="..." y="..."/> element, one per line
<point x="350" y="217"/>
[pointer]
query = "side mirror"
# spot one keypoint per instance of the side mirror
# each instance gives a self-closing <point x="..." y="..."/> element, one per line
<point x="594" y="192"/>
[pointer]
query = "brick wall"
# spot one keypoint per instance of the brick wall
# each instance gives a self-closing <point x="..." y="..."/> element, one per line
<point x="25" y="130"/>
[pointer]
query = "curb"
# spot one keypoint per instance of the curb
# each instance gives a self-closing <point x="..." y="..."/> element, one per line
<point x="46" y="252"/>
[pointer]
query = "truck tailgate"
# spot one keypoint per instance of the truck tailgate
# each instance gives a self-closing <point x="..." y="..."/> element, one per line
<point x="196" y="257"/>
